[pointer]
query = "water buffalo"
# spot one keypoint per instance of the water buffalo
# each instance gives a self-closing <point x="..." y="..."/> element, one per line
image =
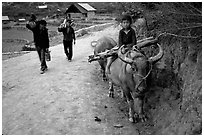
<point x="129" y="71"/>
<point x="102" y="44"/>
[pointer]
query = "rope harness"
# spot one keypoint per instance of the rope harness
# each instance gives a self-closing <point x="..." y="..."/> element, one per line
<point x="143" y="78"/>
<point x="134" y="69"/>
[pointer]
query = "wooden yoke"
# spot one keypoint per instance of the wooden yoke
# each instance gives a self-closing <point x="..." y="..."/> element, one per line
<point x="113" y="51"/>
<point x="103" y="55"/>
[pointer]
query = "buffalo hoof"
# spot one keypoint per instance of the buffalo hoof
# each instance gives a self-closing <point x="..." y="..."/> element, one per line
<point x="123" y="97"/>
<point x="132" y="120"/>
<point x="111" y="95"/>
<point x="105" y="79"/>
<point x="142" y="117"/>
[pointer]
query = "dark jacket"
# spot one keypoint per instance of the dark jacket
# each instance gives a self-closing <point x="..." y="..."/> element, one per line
<point x="41" y="38"/>
<point x="128" y="39"/>
<point x="68" y="33"/>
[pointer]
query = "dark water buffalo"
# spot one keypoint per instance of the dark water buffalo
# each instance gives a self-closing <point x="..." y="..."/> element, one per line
<point x="129" y="71"/>
<point x="102" y="44"/>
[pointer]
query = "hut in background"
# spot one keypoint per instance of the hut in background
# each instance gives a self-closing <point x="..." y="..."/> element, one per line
<point x="81" y="10"/>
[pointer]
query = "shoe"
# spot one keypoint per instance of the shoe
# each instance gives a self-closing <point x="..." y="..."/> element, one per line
<point x="69" y="60"/>
<point x="42" y="71"/>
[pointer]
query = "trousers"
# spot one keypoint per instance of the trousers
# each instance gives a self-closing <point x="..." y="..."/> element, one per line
<point x="68" y="49"/>
<point x="41" y="54"/>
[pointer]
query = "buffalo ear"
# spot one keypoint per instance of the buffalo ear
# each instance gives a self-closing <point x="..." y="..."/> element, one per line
<point x="157" y="57"/>
<point x="129" y="68"/>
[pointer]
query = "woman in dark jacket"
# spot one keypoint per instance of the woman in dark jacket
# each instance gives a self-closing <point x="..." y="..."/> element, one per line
<point x="41" y="40"/>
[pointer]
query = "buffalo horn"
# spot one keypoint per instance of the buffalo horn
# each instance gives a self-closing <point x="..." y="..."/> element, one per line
<point x="126" y="59"/>
<point x="158" y="56"/>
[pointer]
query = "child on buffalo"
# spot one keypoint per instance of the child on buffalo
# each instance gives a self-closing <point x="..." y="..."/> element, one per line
<point x="127" y="38"/>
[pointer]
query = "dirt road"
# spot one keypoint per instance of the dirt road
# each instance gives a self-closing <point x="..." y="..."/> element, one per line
<point x="64" y="100"/>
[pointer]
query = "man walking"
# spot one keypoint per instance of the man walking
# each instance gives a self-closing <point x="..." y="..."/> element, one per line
<point x="69" y="38"/>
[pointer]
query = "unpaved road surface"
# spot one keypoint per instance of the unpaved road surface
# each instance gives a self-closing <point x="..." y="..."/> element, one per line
<point x="64" y="100"/>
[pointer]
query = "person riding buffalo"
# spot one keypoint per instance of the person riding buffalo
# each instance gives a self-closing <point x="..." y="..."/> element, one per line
<point x="127" y="37"/>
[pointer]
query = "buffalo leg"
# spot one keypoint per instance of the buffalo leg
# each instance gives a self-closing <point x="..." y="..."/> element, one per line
<point x="103" y="70"/>
<point x="138" y="108"/>
<point x="130" y="102"/>
<point x="104" y="74"/>
<point x="111" y="90"/>
<point x="131" y="111"/>
<point x="123" y="95"/>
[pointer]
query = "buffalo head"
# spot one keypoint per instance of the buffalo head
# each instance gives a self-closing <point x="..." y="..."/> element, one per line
<point x="138" y="64"/>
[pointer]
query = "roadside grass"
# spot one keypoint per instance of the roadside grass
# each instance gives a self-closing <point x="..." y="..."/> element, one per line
<point x="11" y="46"/>
<point x="14" y="33"/>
